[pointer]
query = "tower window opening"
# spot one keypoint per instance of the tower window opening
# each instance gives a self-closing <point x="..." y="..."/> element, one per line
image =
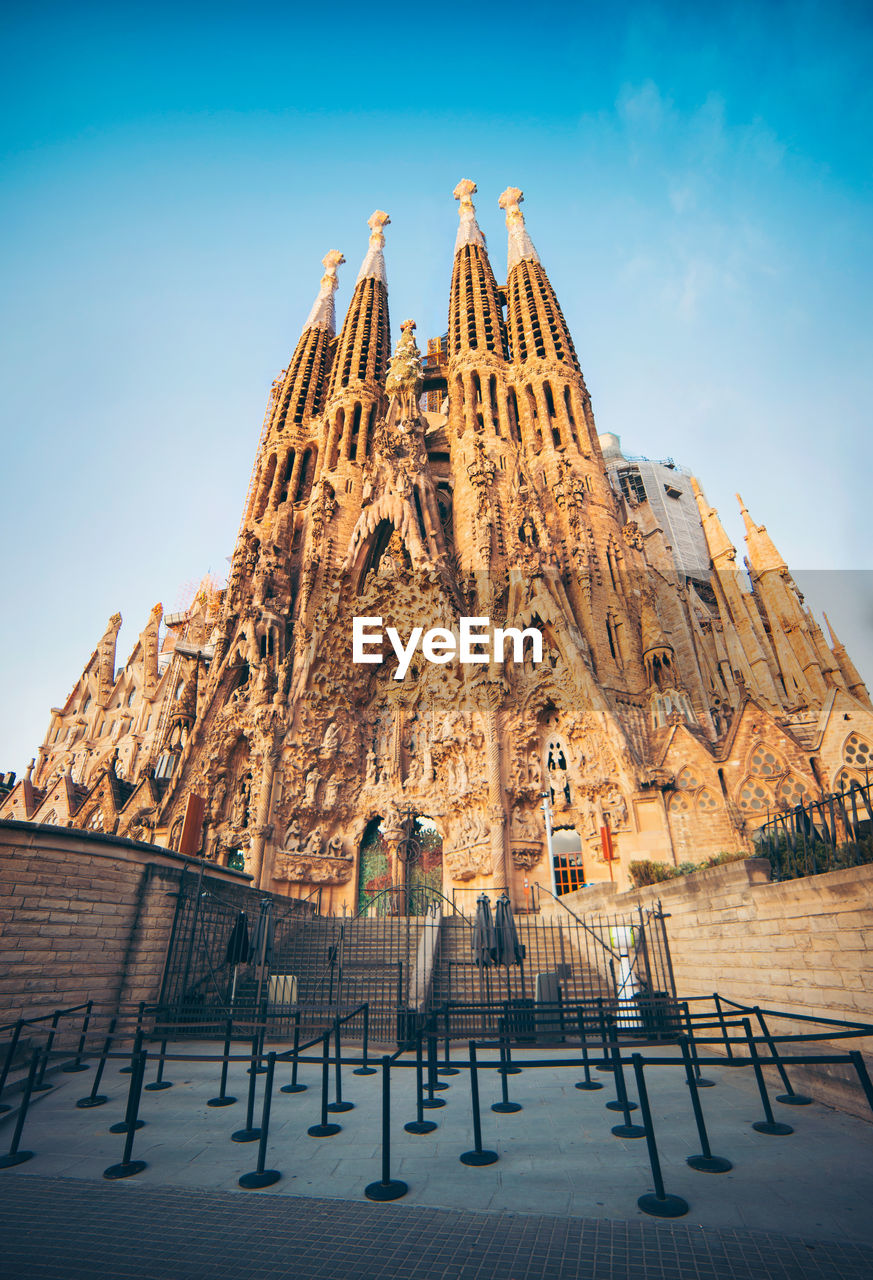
<point x="512" y="413"/>
<point x="611" y="639"/>
<point x="492" y="394"/>
<point x="420" y="514"/>
<point x="307" y="470"/>
<point x="286" y="476"/>
<point x="356" y="427"/>
<point x="333" y="456"/>
<point x="264" y="494"/>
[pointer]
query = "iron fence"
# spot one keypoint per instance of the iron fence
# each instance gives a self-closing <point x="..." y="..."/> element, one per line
<point x="829" y="834"/>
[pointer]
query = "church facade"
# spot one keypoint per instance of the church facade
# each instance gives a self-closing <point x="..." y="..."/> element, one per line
<point x="663" y="703"/>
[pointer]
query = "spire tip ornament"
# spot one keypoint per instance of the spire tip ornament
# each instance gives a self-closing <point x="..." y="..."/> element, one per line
<point x="520" y="244"/>
<point x="469" y="232"/>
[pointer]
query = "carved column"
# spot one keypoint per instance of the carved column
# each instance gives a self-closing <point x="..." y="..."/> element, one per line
<point x="496" y="814"/>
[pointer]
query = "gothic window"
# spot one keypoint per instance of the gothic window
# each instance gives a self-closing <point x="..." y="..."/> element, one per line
<point x="706" y="800"/>
<point x="766" y="763"/>
<point x="792" y="791"/>
<point x="94" y="822"/>
<point x="755" y="797"/>
<point x="680" y="803"/>
<point x="688" y="780"/>
<point x="856" y="752"/>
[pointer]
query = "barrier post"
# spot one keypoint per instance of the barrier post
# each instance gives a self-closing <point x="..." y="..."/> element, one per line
<point x="250" y="1133"/>
<point x="388" y="1188"/>
<point x="364" y="1069"/>
<point x="621" y="1102"/>
<point x="14" y="1155"/>
<point x="587" y="1083"/>
<point x="136" y="1051"/>
<point x="768" y="1124"/>
<point x="659" y="1205"/>
<point x="159" y="1082"/>
<point x="504" y="1105"/>
<point x="419" y="1124"/>
<point x="128" y="1167"/>
<point x="262" y="1177"/>
<point x="729" y="1050"/>
<point x="477" y="1156"/>
<point x="140" y="1014"/>
<point x="338" y="1104"/>
<point x="95" y="1098"/>
<point x="506" y="1063"/>
<point x="432" y="1081"/>
<point x="692" y="1047"/>
<point x="224" y="1099"/>
<point x="294" y="1087"/>
<point x="10" y="1054"/>
<point x="706" y="1162"/>
<point x="446" y="1069"/>
<point x="77" y="1064"/>
<point x="324" y="1130"/>
<point x="863" y="1075"/>
<point x="41" y="1086"/>
<point x="789" y="1097"/>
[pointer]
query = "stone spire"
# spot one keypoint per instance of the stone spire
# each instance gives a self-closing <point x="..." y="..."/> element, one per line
<point x="850" y="672"/>
<point x="762" y="550"/>
<point x="475" y="314"/>
<point x="536" y="323"/>
<point x="301" y="392"/>
<point x="323" y="313"/>
<point x="357" y="381"/>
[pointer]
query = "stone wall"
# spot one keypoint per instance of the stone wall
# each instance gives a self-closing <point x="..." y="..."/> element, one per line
<point x="799" y="945"/>
<point x="88" y="916"/>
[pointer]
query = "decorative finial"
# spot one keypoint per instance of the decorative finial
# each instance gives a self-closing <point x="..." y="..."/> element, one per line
<point x="520" y="244"/>
<point x="408" y="326"/>
<point x="323" y="313"/>
<point x="376" y="222"/>
<point x="404" y="378"/>
<point x="469" y="231"/>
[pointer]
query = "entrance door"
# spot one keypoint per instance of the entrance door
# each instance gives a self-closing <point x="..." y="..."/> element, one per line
<point x="569" y="872"/>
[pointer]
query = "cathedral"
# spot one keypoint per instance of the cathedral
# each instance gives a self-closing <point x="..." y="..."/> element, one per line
<point x="463" y="641"/>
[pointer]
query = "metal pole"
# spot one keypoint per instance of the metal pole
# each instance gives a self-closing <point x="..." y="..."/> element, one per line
<point x="477" y="1156"/>
<point x="263" y="1177"/>
<point x="250" y="1133"/>
<point x="324" y="1129"/>
<point x="706" y="1162"/>
<point x="419" y="1124"/>
<point x="338" y="1104"/>
<point x="14" y="1156"/>
<point x="224" y="1099"/>
<point x="127" y="1168"/>
<point x="659" y="1205"/>
<point x="77" y="1064"/>
<point x="387" y="1188"/>
<point x="768" y="1124"/>
<point x="294" y="1087"/>
<point x="96" y="1099"/>
<point x="10" y="1054"/>
<point x="504" y="1105"/>
<point x="547" y="813"/>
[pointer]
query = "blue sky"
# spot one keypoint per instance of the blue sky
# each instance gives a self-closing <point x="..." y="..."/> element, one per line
<point x="697" y="181"/>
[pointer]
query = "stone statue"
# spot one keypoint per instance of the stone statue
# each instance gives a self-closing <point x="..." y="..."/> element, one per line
<point x="313" y="778"/>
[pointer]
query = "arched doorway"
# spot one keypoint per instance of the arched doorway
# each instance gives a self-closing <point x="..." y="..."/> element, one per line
<point x="569" y="869"/>
<point x="420" y="853"/>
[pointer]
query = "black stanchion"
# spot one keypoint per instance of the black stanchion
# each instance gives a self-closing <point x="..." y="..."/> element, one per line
<point x="140" y="1014"/>
<point x="587" y="1083"/>
<point x="387" y="1188"/>
<point x="729" y="1050"/>
<point x="250" y="1133"/>
<point x="700" y="1081"/>
<point x="10" y="1054"/>
<point x="224" y="1099"/>
<point x="621" y="1102"/>
<point x="477" y="1156"/>
<point x="789" y="1097"/>
<point x="606" y="1065"/>
<point x="40" y="1086"/>
<point x="262" y="1177"/>
<point x="768" y="1124"/>
<point x="324" y="1130"/>
<point x="14" y="1156"/>
<point x="863" y="1075"/>
<point x="504" y="1106"/>
<point x="128" y="1167"/>
<point x="659" y="1205"/>
<point x="432" y="1081"/>
<point x="338" y="1104"/>
<point x="294" y="1086"/>
<point x="507" y="1066"/>
<point x="446" y="1069"/>
<point x="77" y="1064"/>
<point x="159" y="1082"/>
<point x="706" y="1162"/>
<point x="121" y="1127"/>
<point x="364" y="1069"/>
<point x="419" y="1124"/>
<point x="95" y="1098"/>
<point x="258" y="1063"/>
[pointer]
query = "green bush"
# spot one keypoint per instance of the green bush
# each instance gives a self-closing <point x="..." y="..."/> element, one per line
<point x="647" y="872"/>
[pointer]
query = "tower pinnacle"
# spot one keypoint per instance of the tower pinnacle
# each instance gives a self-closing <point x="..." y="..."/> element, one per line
<point x="521" y="246"/>
<point x="373" y="266"/>
<point x="469" y="231"/>
<point x="323" y="313"/>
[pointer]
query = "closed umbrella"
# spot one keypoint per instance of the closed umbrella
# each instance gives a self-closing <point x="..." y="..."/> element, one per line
<point x="509" y="949"/>
<point x="484" y="936"/>
<point x="238" y="948"/>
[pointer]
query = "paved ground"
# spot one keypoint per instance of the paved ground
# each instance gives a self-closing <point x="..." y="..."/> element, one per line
<point x="560" y="1201"/>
